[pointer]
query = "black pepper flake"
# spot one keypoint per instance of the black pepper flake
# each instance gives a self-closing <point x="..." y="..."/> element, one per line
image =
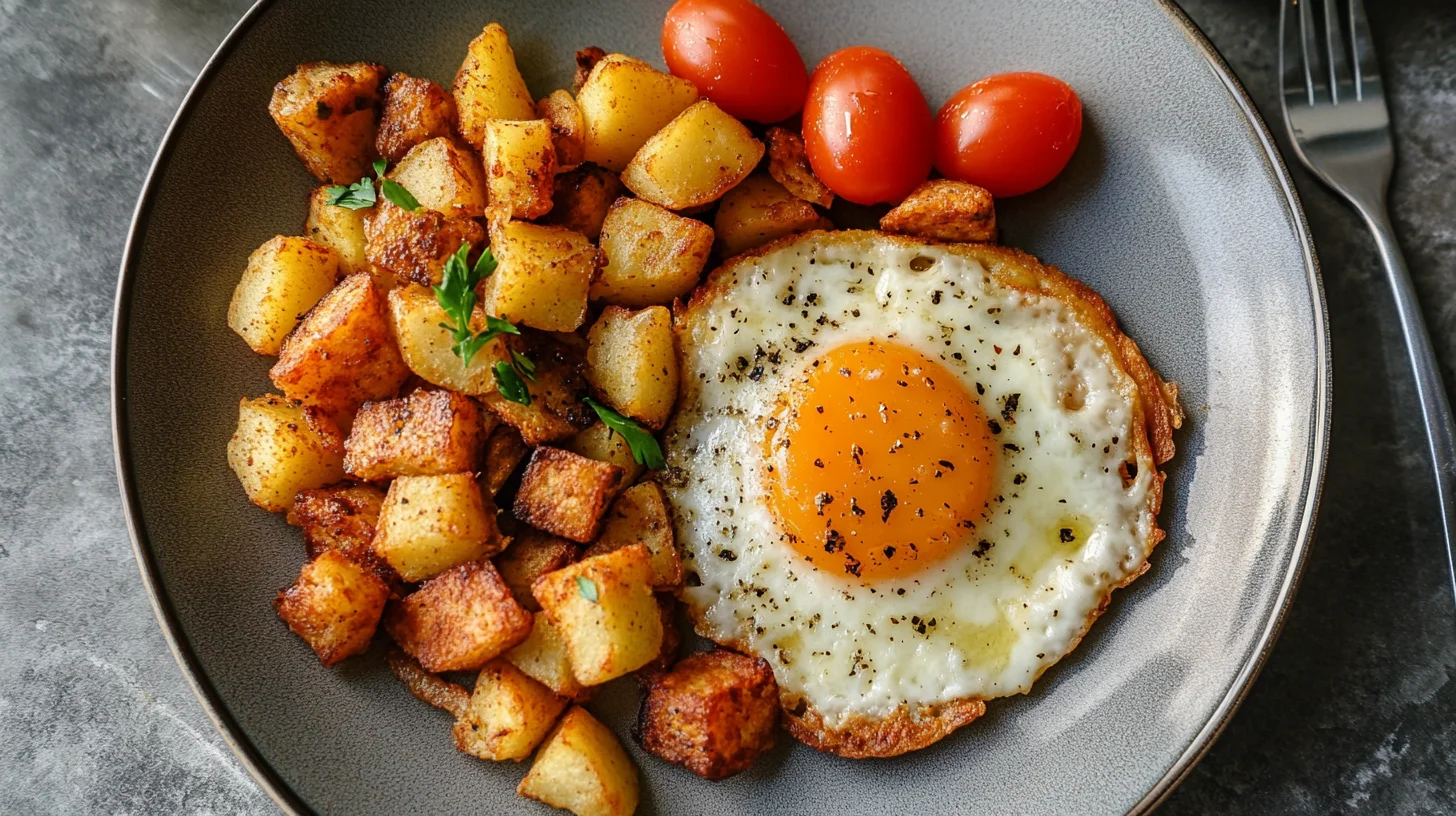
<point x="756" y="374"/>
<point x="1019" y="478"/>
<point x="844" y="372"/>
<point x="1008" y="407"/>
<point x="818" y="463"/>
<point x="821" y="500"/>
<point x="727" y="555"/>
<point x="994" y="426"/>
<point x="811" y="298"/>
<point x="888" y="503"/>
<point x="982" y="547"/>
<point x="833" y="541"/>
<point x="801" y="346"/>
<point x="742" y="363"/>
<point x="855" y="451"/>
<point x="852" y="566"/>
<point x="854" y="507"/>
<point x="1010" y="448"/>
<point x="889" y="552"/>
<point x="1016" y="352"/>
<point x="1065" y="534"/>
<point x="935" y="296"/>
<point x="980" y="389"/>
<point x="947" y="464"/>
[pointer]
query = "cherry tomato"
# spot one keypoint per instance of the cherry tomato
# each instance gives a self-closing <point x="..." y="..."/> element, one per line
<point x="867" y="127"/>
<point x="1009" y="133"/>
<point x="738" y="56"/>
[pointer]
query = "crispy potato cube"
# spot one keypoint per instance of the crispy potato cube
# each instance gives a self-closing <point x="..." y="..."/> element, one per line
<point x="583" y="769"/>
<point x="459" y="620"/>
<point x="489" y="86"/>
<point x="520" y="163"/>
<point x="556" y="410"/>
<point x="713" y="714"/>
<point x="343" y="352"/>
<point x="606" y="445"/>
<point x="623" y="102"/>
<point x="504" y="451"/>
<point x="653" y="255"/>
<point x="427" y="347"/>
<point x="632" y="361"/>
<point x="542" y="656"/>
<point x="328" y="111"/>
<point x="508" y="716"/>
<point x="423" y="434"/>
<point x="443" y="177"/>
<point x="568" y="131"/>
<point x="640" y="516"/>
<point x="789" y="166"/>
<point x="285" y="277"/>
<point x="944" y="209"/>
<point x="694" y="160"/>
<point x="415" y="246"/>
<point x="671" y="639"/>
<point x="582" y="198"/>
<point x="276" y="454"/>
<point x="543" y="276"/>
<point x="338" y="228"/>
<point x="429" y="524"/>
<point x="760" y="210"/>
<point x="586" y="59"/>
<point x="415" y="111"/>
<point x="604" y="609"/>
<point x="566" y="494"/>
<point x="342" y="518"/>
<point x="334" y="606"/>
<point x="427" y="687"/>
<point x="531" y="555"/>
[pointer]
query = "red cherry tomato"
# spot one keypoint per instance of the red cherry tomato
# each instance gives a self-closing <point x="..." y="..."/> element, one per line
<point x="867" y="128"/>
<point x="1009" y="133"/>
<point x="738" y="56"/>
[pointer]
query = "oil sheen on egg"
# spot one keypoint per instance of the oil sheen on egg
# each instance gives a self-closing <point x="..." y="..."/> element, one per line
<point x="899" y="481"/>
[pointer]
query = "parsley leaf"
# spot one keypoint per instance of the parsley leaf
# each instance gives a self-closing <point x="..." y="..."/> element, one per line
<point x="508" y="380"/>
<point x="380" y="165"/>
<point x="587" y="588"/>
<point x="456" y="295"/>
<point x="645" y="449"/>
<point x="356" y="196"/>
<point x="524" y="365"/>
<point x="398" y="195"/>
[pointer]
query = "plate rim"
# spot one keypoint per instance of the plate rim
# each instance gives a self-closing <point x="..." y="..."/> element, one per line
<point x="290" y="802"/>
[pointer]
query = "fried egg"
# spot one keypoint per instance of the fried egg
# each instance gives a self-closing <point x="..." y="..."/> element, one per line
<point x="907" y="475"/>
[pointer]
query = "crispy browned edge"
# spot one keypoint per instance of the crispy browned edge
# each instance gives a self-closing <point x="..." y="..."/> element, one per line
<point x="910" y="728"/>
<point x="713" y="713"/>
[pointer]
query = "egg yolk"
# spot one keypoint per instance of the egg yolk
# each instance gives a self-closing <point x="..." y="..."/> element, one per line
<point x="878" y="461"/>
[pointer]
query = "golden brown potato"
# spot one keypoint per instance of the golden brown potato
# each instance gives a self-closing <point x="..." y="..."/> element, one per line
<point x="276" y="454"/>
<point x="789" y="166"/>
<point x="338" y="228"/>
<point x="343" y="352"/>
<point x="531" y="555"/>
<point x="427" y="347"/>
<point x="542" y="656"/>
<point x="671" y="639"/>
<point x="423" y="434"/>
<point x="459" y="620"/>
<point x="568" y="131"/>
<point x="631" y="360"/>
<point x="429" y="524"/>
<point x="760" y="210"/>
<point x="334" y="606"/>
<point x="623" y="102"/>
<point x="556" y="410"/>
<point x="504" y="450"/>
<point x="342" y="518"/>
<point x="415" y="246"/>
<point x="606" y="445"/>
<point x="582" y="768"/>
<point x="415" y="110"/>
<point x="605" y="611"/>
<point x="489" y="86"/>
<point x="285" y="277"/>
<point x="653" y="255"/>
<point x="713" y="714"/>
<point x="582" y="198"/>
<point x="543" y="276"/>
<point x="443" y="177"/>
<point x="944" y="209"/>
<point x="640" y="516"/>
<point x="328" y="112"/>
<point x="694" y="159"/>
<point x="586" y="59"/>
<point x="520" y="164"/>
<point x="427" y="687"/>
<point x="508" y="716"/>
<point x="566" y="494"/>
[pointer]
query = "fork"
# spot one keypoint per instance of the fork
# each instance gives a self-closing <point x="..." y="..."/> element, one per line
<point x="1334" y="106"/>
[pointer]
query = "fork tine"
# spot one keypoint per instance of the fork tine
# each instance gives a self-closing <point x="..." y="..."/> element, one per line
<point x="1337" y="56"/>
<point x="1308" y="48"/>
<point x="1366" y="69"/>
<point x="1292" y="64"/>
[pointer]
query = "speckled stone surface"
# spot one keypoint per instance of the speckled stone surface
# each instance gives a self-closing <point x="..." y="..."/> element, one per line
<point x="1355" y="712"/>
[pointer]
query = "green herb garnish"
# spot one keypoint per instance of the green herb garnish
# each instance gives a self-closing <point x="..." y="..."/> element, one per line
<point x="645" y="449"/>
<point x="456" y="295"/>
<point x="398" y="195"/>
<point x="508" y="381"/>
<point x="357" y="196"/>
<point x="587" y="588"/>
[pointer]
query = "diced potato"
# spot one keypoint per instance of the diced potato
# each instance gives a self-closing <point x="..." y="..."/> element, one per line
<point x="423" y="434"/>
<point x="415" y="246"/>
<point x="666" y="657"/>
<point x="429" y="524"/>
<point x="338" y="228"/>
<point x="944" y="209"/>
<point x="606" y="445"/>
<point x="334" y="606"/>
<point x="415" y="110"/>
<point x="566" y="494"/>
<point x="653" y="255"/>
<point x="328" y="113"/>
<point x="427" y="347"/>
<point x="583" y="769"/>
<point x="504" y="450"/>
<point x="694" y="160"/>
<point x="714" y="713"/>
<point x="586" y="59"/>
<point x="568" y="131"/>
<point x="284" y="279"/>
<point x="459" y="620"/>
<point x="520" y="163"/>
<point x="623" y="102"/>
<point x="489" y="86"/>
<point x="531" y="555"/>
<point x="582" y="198"/>
<point x="508" y="716"/>
<point x="428" y="687"/>
<point x="543" y="276"/>
<point x="342" y="518"/>
<point x="604" y="608"/>
<point x="631" y="360"/>
<point x="789" y="166"/>
<point x="443" y="177"/>
<point x="640" y="516"/>
<point x="542" y="656"/>
<point x="276" y="454"/>
<point x="760" y="210"/>
<point x="556" y="410"/>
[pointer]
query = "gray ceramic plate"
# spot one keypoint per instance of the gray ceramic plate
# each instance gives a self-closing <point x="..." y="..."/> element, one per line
<point x="1176" y="207"/>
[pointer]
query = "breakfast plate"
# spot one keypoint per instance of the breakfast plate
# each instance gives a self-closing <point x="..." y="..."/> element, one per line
<point x="1176" y="208"/>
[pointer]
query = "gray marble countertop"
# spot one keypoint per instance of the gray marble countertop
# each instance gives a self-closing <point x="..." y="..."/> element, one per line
<point x="1355" y="711"/>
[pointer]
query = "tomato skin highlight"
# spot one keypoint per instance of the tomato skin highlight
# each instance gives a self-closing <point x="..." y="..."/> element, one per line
<point x="867" y="127"/>
<point x="1008" y="133"/>
<point x="738" y="55"/>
